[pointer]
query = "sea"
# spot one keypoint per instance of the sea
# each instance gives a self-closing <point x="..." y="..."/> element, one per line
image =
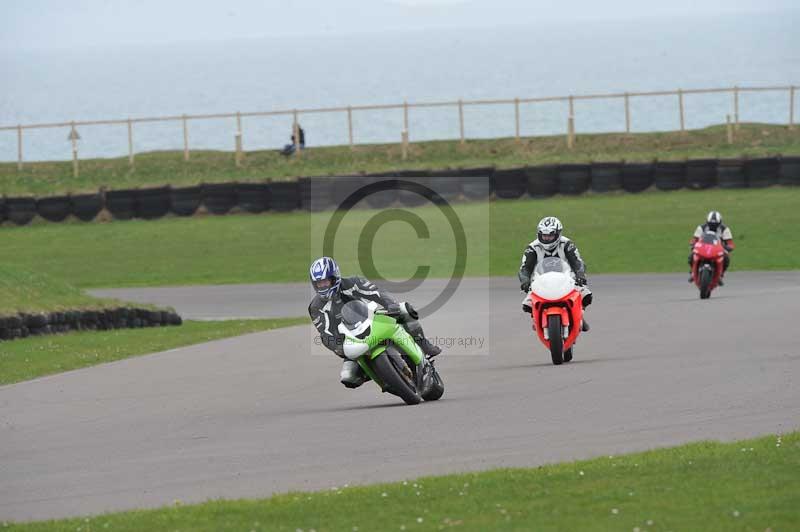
<point x="286" y="73"/>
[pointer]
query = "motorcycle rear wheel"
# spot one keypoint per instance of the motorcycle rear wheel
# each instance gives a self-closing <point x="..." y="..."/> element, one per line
<point x="389" y="368"/>
<point x="556" y="340"/>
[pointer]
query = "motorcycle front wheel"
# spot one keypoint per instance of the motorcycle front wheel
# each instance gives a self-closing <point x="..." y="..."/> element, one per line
<point x="556" y="340"/>
<point x="396" y="376"/>
<point x="705" y="283"/>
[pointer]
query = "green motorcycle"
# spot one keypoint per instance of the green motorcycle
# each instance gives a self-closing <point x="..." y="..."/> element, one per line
<point x="388" y="354"/>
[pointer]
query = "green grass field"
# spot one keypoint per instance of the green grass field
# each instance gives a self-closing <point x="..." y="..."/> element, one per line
<point x="37" y="356"/>
<point x="23" y="291"/>
<point x="159" y="168"/>
<point x="707" y="486"/>
<point x="646" y="232"/>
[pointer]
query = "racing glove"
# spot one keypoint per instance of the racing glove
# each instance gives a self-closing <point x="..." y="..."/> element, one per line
<point x="580" y="279"/>
<point x="525" y="286"/>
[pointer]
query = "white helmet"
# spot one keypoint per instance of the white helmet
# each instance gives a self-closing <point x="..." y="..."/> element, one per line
<point x="549" y="232"/>
<point x="714" y="219"/>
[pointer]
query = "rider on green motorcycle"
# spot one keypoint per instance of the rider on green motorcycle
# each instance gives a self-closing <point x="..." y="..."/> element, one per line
<point x="333" y="291"/>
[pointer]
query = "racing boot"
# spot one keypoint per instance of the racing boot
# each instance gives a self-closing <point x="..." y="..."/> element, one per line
<point x="526" y="308"/>
<point x="585" y="325"/>
<point x="352" y="376"/>
<point x="429" y="348"/>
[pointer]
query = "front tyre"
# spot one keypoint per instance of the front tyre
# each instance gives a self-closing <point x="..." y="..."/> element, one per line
<point x="556" y="340"/>
<point x="705" y="283"/>
<point x="396" y="376"/>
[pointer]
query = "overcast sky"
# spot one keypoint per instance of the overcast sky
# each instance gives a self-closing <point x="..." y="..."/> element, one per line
<point x="50" y="24"/>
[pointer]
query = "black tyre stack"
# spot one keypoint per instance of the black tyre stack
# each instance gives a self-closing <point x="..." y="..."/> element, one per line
<point x="637" y="177"/>
<point x="669" y="175"/>
<point x="701" y="173"/>
<point x="184" y="201"/>
<point x="606" y="177"/>
<point x="731" y="173"/>
<point x="153" y="203"/>
<point x="542" y="180"/>
<point x="476" y="183"/>
<point x="254" y="198"/>
<point x="573" y="179"/>
<point x="789" y="172"/>
<point x="121" y="204"/>
<point x="86" y="207"/>
<point x="285" y="195"/>
<point x="54" y="208"/>
<point x="762" y="172"/>
<point x="510" y="183"/>
<point x="219" y="198"/>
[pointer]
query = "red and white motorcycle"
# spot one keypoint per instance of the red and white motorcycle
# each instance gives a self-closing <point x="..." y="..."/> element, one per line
<point x="556" y="307"/>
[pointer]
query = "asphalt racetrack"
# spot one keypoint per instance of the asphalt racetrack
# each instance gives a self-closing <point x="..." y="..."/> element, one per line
<point x="265" y="413"/>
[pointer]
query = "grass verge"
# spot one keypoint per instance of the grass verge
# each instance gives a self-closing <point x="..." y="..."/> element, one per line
<point x="159" y="168"/>
<point x="23" y="291"/>
<point x="708" y="486"/>
<point x="646" y="232"/>
<point x="37" y="356"/>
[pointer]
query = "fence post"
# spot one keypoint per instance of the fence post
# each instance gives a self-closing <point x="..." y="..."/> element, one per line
<point x="404" y="138"/>
<point x="516" y="119"/>
<point x="680" y="106"/>
<point x="185" y="139"/>
<point x="350" y="126"/>
<point x="296" y="133"/>
<point x="461" y="119"/>
<point x="571" y="125"/>
<point x="130" y="142"/>
<point x="73" y="137"/>
<point x="791" y="107"/>
<point x="405" y="116"/>
<point x="627" y="113"/>
<point x="736" y="107"/>
<point x="238" y="139"/>
<point x="19" y="147"/>
<point x="729" y="128"/>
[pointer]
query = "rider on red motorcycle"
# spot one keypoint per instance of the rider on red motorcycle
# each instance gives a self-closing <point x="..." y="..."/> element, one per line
<point x="723" y="232"/>
<point x="550" y="243"/>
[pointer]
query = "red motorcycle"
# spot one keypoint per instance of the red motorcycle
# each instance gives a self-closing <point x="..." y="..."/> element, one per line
<point x="708" y="257"/>
<point x="556" y="308"/>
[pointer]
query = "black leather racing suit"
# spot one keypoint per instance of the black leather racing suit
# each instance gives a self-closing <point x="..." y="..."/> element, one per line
<point x="566" y="250"/>
<point x="327" y="314"/>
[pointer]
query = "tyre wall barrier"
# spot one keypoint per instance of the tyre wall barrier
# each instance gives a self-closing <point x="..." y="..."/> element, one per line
<point x="731" y="174"/>
<point x="384" y="198"/>
<point x="510" y="183"/>
<point x="762" y="172"/>
<point x="23" y="325"/>
<point x="669" y="175"/>
<point x="2" y="210"/>
<point x="315" y="193"/>
<point x="254" y="197"/>
<point x="185" y="201"/>
<point x="54" y="208"/>
<point x="219" y="198"/>
<point x="573" y="178"/>
<point x="152" y="203"/>
<point x="477" y="182"/>
<point x="86" y="207"/>
<point x="542" y="180"/>
<point x="637" y="177"/>
<point x="344" y="186"/>
<point x="448" y="184"/>
<point x="408" y="198"/>
<point x="20" y="210"/>
<point x="606" y="176"/>
<point x="789" y="172"/>
<point x="701" y="173"/>
<point x="121" y="204"/>
<point x="285" y="196"/>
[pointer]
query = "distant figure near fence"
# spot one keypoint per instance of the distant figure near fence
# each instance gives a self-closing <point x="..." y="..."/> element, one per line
<point x="290" y="148"/>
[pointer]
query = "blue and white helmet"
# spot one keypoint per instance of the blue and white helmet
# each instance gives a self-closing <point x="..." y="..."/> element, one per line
<point x="325" y="277"/>
<point x="548" y="232"/>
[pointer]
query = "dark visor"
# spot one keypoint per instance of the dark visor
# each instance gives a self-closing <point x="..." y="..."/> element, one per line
<point x="546" y="239"/>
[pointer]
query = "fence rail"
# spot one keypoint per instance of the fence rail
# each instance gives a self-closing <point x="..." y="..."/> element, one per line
<point x="680" y="94"/>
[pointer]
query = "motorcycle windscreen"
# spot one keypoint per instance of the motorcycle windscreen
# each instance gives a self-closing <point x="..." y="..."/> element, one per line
<point x="355" y="316"/>
<point x="551" y="264"/>
<point x="709" y="238"/>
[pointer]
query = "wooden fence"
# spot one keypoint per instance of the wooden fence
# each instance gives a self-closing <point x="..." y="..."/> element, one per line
<point x="405" y="107"/>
